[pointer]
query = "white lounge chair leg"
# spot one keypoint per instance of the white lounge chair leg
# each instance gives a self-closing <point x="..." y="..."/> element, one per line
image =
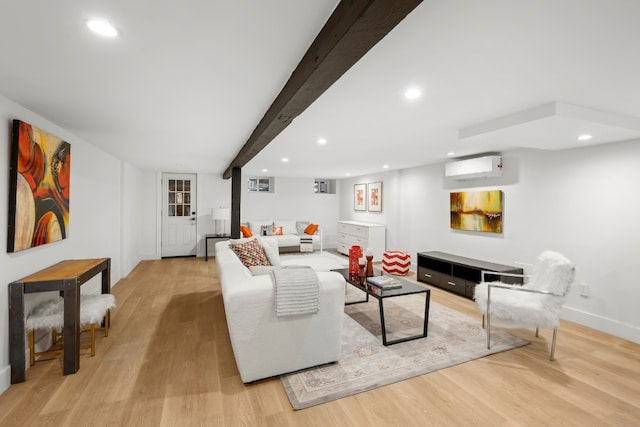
<point x="553" y="344"/>
<point x="488" y="318"/>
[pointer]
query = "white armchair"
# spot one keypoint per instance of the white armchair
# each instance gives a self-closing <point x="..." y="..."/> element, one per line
<point x="535" y="304"/>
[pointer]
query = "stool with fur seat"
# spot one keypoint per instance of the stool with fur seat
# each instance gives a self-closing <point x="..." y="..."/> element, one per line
<point x="50" y="315"/>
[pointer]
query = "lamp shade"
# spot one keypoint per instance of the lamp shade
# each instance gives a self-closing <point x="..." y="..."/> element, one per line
<point x="220" y="213"/>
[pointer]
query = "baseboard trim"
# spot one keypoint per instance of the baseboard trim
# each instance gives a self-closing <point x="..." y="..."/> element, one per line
<point x="5" y="378"/>
<point x="603" y="324"/>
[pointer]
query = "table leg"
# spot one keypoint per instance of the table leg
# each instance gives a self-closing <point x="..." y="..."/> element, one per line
<point x="426" y="312"/>
<point x="71" y="337"/>
<point x="384" y="329"/>
<point x="424" y="327"/>
<point x="16" y="332"/>
<point x="206" y="249"/>
<point x="106" y="287"/>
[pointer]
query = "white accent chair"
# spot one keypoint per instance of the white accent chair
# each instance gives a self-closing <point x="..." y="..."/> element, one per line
<point x="533" y="305"/>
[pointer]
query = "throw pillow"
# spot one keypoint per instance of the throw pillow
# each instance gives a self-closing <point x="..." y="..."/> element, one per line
<point x="277" y="230"/>
<point x="246" y="231"/>
<point x="300" y="226"/>
<point x="250" y="252"/>
<point x="288" y="227"/>
<point x="257" y="226"/>
<point x="266" y="230"/>
<point x="311" y="229"/>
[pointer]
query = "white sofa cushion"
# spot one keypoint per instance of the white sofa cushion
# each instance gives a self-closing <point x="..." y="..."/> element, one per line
<point x="270" y="246"/>
<point x="288" y="227"/>
<point x="256" y="226"/>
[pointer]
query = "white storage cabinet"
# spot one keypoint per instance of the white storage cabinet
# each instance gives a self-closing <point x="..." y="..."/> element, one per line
<point x="363" y="234"/>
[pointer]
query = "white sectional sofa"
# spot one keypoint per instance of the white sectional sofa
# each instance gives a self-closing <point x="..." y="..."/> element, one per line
<point x="293" y="230"/>
<point x="265" y="345"/>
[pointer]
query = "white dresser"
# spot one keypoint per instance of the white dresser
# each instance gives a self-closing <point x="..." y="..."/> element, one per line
<point x="363" y="234"/>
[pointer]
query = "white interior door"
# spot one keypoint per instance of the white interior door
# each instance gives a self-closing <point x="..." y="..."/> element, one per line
<point x="179" y="219"/>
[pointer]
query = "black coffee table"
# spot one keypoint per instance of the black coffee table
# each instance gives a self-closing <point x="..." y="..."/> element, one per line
<point x="407" y="288"/>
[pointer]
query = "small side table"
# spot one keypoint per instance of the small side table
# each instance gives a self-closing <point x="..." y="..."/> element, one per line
<point x="216" y="238"/>
<point x="65" y="277"/>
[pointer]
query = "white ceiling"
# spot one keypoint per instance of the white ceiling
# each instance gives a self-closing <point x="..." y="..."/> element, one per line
<point x="186" y="83"/>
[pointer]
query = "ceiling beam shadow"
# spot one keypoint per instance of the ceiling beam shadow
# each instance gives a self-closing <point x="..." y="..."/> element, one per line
<point x="351" y="31"/>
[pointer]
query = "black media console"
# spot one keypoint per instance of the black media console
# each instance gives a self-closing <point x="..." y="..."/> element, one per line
<point x="459" y="274"/>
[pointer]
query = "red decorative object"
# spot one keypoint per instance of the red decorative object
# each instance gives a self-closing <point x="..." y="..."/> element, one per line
<point x="369" y="272"/>
<point x="396" y="262"/>
<point x="355" y="253"/>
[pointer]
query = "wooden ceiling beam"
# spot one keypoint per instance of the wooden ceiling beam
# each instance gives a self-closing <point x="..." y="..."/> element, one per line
<point x="351" y="31"/>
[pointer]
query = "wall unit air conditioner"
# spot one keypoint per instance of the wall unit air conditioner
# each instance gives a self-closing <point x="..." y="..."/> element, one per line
<point x="476" y="168"/>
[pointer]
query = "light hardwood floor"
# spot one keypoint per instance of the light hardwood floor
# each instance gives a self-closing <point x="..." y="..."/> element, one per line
<point x="168" y="362"/>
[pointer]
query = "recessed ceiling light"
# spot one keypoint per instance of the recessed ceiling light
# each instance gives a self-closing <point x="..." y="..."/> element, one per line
<point x="285" y="160"/>
<point x="385" y="166"/>
<point x="584" y="137"/>
<point x="413" y="93"/>
<point x="322" y="141"/>
<point x="347" y="174"/>
<point x="451" y="153"/>
<point x="265" y="170"/>
<point x="102" y="27"/>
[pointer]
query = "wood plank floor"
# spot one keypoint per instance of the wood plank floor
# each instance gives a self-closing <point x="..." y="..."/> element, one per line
<point x="168" y="362"/>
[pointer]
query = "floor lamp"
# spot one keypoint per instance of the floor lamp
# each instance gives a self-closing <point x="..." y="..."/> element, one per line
<point x="220" y="217"/>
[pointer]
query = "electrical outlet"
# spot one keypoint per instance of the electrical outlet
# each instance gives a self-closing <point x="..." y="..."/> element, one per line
<point x="584" y="290"/>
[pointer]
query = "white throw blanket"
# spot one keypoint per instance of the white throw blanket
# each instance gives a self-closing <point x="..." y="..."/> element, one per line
<point x="297" y="290"/>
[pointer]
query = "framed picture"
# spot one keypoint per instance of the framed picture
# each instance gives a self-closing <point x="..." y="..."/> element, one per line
<point x="477" y="211"/>
<point x="375" y="197"/>
<point x="360" y="197"/>
<point x="40" y="171"/>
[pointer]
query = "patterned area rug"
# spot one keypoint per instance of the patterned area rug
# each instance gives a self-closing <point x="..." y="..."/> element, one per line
<point x="453" y="338"/>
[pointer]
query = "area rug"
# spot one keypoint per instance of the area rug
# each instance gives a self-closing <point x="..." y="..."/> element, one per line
<point x="453" y="338"/>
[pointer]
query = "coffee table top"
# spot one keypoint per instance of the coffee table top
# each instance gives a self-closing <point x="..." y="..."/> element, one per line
<point x="406" y="289"/>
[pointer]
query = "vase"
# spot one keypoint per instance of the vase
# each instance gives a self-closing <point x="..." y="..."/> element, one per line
<point x="355" y="252"/>
<point x="369" y="272"/>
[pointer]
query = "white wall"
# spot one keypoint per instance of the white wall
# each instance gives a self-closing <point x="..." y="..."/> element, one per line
<point x="293" y="199"/>
<point x="103" y="218"/>
<point x="580" y="202"/>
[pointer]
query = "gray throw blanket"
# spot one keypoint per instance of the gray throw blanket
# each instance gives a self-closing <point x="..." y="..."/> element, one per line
<point x="297" y="290"/>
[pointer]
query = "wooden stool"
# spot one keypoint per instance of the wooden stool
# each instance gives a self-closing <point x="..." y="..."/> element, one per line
<point x="50" y="315"/>
<point x="46" y="315"/>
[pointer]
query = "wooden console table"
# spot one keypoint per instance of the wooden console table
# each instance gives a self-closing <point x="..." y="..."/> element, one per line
<point x="65" y="277"/>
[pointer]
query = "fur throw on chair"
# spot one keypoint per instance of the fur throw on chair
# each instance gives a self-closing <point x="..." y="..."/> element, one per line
<point x="50" y="314"/>
<point x="553" y="273"/>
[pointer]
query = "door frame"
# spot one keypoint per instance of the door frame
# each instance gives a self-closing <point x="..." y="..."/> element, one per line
<point x="160" y="205"/>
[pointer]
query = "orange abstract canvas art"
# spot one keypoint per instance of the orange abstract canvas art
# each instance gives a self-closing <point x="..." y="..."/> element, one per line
<point x="39" y="174"/>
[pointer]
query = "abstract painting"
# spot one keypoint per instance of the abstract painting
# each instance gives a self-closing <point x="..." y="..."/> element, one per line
<point x="360" y="197"/>
<point x="39" y="176"/>
<point x="375" y="197"/>
<point x="477" y="211"/>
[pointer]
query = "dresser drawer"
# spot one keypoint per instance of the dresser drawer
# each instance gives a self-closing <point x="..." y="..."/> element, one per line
<point x="350" y="240"/>
<point x="441" y="280"/>
<point x="354" y="230"/>
<point x="431" y="277"/>
<point x="343" y="249"/>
